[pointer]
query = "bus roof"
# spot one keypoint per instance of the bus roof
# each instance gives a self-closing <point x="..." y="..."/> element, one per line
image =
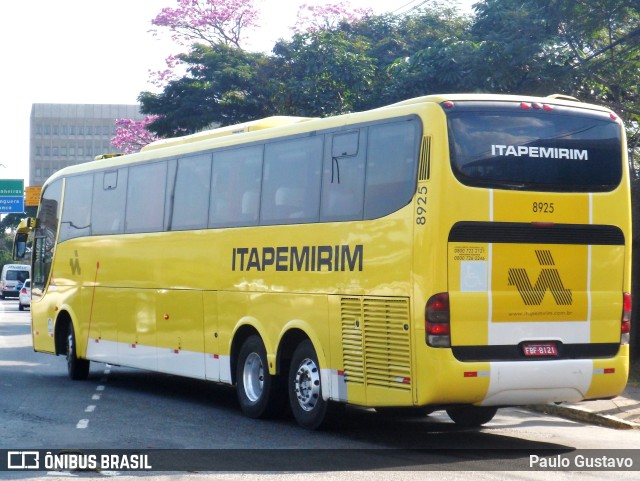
<point x="556" y="99"/>
<point x="287" y="125"/>
<point x="266" y="123"/>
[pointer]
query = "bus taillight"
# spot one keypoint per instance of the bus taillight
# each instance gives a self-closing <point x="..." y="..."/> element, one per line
<point x="437" y="320"/>
<point x="625" y="325"/>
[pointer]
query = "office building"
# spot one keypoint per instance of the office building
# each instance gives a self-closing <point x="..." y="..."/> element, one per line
<point x="69" y="134"/>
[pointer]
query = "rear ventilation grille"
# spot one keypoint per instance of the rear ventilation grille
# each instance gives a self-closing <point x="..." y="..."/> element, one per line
<point x="425" y="159"/>
<point x="376" y="341"/>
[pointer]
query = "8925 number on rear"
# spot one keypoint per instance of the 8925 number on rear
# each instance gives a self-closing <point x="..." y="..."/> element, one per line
<point x="543" y="208"/>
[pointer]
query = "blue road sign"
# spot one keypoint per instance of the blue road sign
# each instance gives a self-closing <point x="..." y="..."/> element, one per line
<point x="11" y="204"/>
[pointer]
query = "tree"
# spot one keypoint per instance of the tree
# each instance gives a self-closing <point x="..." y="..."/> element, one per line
<point x="323" y="72"/>
<point x="435" y="53"/>
<point x="312" y="18"/>
<point x="197" y="24"/>
<point x="6" y="248"/>
<point x="518" y="46"/>
<point x="208" y="21"/>
<point x="10" y="221"/>
<point x="132" y="135"/>
<point x="337" y="62"/>
<point x="223" y="85"/>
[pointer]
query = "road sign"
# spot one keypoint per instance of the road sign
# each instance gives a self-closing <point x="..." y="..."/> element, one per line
<point x="11" y="196"/>
<point x="12" y="187"/>
<point x="32" y="196"/>
<point x="11" y="205"/>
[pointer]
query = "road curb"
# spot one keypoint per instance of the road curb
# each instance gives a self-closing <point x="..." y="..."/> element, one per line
<point x="577" y="414"/>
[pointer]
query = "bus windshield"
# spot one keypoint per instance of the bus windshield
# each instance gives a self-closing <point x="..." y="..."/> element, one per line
<point x="558" y="149"/>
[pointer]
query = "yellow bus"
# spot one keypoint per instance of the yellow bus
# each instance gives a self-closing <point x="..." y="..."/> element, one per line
<point x="456" y="252"/>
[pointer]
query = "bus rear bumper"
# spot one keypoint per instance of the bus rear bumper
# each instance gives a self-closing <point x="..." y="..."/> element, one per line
<point x="540" y="382"/>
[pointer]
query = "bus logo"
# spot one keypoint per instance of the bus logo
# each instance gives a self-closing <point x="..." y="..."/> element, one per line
<point x="75" y="265"/>
<point x="549" y="279"/>
<point x="23" y="460"/>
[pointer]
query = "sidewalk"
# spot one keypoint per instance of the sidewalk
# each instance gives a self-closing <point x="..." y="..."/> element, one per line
<point x="622" y="412"/>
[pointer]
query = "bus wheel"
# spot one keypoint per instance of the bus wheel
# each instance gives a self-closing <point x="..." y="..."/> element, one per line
<point x="305" y="387"/>
<point x="77" y="368"/>
<point x="471" y="416"/>
<point x="260" y="394"/>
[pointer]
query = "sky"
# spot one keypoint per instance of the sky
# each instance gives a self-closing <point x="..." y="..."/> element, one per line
<point x="101" y="52"/>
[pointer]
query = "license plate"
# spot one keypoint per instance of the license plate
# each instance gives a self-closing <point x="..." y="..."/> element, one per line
<point x="540" y="349"/>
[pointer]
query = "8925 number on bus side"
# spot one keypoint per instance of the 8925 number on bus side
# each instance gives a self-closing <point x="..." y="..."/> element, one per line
<point x="421" y="206"/>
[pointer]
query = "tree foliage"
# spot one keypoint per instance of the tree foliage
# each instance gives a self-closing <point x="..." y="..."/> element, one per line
<point x="322" y="72"/>
<point x="223" y="85"/>
<point x="312" y="18"/>
<point x="132" y="135"/>
<point x="6" y="247"/>
<point x="208" y="21"/>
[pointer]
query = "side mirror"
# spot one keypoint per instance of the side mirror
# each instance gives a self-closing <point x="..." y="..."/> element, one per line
<point x="20" y="246"/>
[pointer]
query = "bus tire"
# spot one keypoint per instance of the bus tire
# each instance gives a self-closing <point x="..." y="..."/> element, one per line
<point x="471" y="416"/>
<point x="77" y="368"/>
<point x="260" y="394"/>
<point x="305" y="387"/>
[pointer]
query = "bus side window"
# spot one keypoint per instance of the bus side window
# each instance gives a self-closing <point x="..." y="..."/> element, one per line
<point x="235" y="187"/>
<point x="343" y="176"/>
<point x="391" y="167"/>
<point x="291" y="183"/>
<point x="76" y="213"/>
<point x="191" y="195"/>
<point x="109" y="198"/>
<point x="146" y="198"/>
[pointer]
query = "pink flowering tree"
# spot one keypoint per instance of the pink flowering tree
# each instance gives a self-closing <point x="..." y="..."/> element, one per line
<point x="132" y="135"/>
<point x="312" y="18"/>
<point x="160" y="78"/>
<point x="208" y="21"/>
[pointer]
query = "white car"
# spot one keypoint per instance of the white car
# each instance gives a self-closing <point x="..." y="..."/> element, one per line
<point x="24" y="298"/>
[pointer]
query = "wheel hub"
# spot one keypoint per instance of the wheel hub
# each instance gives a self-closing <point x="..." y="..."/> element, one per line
<point x="307" y="384"/>
<point x="253" y="377"/>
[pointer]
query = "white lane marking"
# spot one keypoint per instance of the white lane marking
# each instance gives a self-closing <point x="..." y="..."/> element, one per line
<point x="84" y="423"/>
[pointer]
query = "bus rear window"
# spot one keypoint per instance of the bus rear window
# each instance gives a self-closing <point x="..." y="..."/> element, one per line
<point x="502" y="145"/>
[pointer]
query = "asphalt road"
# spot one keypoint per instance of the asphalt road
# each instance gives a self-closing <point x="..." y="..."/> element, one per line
<point x="199" y="427"/>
